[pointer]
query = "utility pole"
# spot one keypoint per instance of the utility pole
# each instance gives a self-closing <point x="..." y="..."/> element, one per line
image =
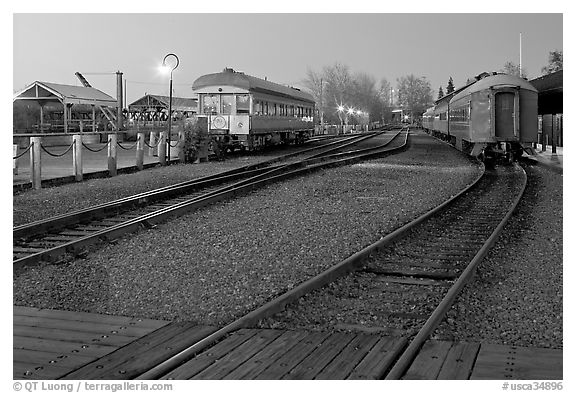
<point x="119" y="98"/>
<point x="321" y="106"/>
<point x="520" y="66"/>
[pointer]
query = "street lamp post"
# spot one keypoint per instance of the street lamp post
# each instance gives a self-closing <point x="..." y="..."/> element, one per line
<point x="170" y="100"/>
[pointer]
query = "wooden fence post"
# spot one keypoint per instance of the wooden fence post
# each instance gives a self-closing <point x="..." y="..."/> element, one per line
<point x="162" y="148"/>
<point x="77" y="156"/>
<point x="152" y="150"/>
<point x="112" y="163"/>
<point x="35" y="167"/>
<point x="14" y="160"/>
<point x="181" y="141"/>
<point x="140" y="150"/>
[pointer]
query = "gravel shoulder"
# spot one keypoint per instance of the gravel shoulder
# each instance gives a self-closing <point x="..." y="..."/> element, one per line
<point x="219" y="263"/>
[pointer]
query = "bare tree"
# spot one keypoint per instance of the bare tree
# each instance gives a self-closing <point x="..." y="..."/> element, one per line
<point x="414" y="94"/>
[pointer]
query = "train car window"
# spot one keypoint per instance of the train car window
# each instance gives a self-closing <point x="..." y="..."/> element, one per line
<point x="275" y="110"/>
<point x="258" y="107"/>
<point x="266" y="108"/>
<point x="242" y="103"/>
<point x="210" y="104"/>
<point x="226" y="104"/>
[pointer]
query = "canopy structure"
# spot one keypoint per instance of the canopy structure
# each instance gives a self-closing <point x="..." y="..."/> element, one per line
<point x="44" y="93"/>
<point x="151" y="108"/>
<point x="550" y="93"/>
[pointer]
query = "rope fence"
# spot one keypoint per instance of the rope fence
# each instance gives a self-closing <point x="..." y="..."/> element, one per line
<point x="35" y="148"/>
<point x="24" y="152"/>
<point x="152" y="147"/>
<point x="55" y="154"/>
<point x="127" y="148"/>
<point x="96" y="150"/>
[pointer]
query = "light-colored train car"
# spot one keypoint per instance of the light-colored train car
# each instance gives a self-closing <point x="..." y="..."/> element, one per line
<point x="246" y="112"/>
<point x="496" y="115"/>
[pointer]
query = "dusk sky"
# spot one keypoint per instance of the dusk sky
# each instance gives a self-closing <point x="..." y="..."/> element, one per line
<point x="51" y="47"/>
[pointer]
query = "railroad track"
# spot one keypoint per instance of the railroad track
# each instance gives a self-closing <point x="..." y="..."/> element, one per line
<point x="50" y="240"/>
<point x="420" y="268"/>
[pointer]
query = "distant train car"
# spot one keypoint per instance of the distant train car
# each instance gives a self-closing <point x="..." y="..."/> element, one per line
<point x="494" y="116"/>
<point x="245" y="112"/>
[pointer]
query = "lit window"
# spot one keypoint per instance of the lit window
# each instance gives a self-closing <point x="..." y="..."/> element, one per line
<point x="210" y="104"/>
<point x="226" y="102"/>
<point x="242" y="103"/>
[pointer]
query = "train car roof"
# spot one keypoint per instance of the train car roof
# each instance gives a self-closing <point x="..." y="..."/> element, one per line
<point x="229" y="77"/>
<point x="492" y="81"/>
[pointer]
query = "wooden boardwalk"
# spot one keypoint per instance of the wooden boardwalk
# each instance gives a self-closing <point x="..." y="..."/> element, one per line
<point x="274" y="354"/>
<point x="50" y="344"/>
<point x="451" y="360"/>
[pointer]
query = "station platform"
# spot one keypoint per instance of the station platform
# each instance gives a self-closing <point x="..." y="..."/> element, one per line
<point x="94" y="164"/>
<point x="53" y="344"/>
<point x="554" y="161"/>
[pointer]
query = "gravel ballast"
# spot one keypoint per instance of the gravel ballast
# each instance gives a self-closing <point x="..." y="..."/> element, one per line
<point x="514" y="299"/>
<point x="33" y="205"/>
<point x="517" y="295"/>
<point x="223" y="261"/>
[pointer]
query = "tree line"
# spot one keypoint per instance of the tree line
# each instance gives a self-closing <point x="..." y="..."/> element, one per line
<point x="336" y="86"/>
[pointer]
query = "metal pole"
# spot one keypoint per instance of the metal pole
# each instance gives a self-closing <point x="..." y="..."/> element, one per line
<point x="119" y="97"/>
<point x="321" y="107"/>
<point x="170" y="101"/>
<point x="169" y="120"/>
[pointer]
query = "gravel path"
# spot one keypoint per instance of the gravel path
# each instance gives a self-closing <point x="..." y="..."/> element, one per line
<point x="219" y="263"/>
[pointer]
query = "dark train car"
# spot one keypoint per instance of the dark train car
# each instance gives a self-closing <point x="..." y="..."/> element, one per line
<point x="246" y="112"/>
<point x="494" y="116"/>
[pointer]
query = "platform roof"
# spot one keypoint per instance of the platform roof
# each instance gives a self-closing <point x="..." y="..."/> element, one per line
<point x="550" y="92"/>
<point x="66" y="94"/>
<point x="151" y="101"/>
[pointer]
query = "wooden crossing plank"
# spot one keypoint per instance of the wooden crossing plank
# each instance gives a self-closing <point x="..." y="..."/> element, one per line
<point x="144" y="353"/>
<point x="87" y="317"/>
<point x="380" y="358"/>
<point x="320" y="357"/>
<point x="60" y="347"/>
<point x="239" y="355"/>
<point x="269" y="355"/>
<point x="509" y="362"/>
<point x="40" y="358"/>
<point x="211" y="355"/>
<point x="343" y="364"/>
<point x="27" y="371"/>
<point x="459" y="362"/>
<point x="293" y="357"/>
<point x="51" y="343"/>
<point x="429" y="360"/>
<point x="72" y="336"/>
<point x="80" y="326"/>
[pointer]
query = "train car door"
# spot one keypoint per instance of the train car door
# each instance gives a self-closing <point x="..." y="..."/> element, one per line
<point x="504" y="115"/>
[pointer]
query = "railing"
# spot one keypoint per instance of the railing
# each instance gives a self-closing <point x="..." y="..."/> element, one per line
<point x="157" y="146"/>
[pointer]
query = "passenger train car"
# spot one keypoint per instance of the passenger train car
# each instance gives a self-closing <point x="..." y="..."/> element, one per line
<point x="245" y="112"/>
<point x="494" y="116"/>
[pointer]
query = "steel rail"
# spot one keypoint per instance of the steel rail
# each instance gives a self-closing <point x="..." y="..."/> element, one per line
<point x="278" y="304"/>
<point x="59" y="221"/>
<point x="150" y="219"/>
<point x="405" y="360"/>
